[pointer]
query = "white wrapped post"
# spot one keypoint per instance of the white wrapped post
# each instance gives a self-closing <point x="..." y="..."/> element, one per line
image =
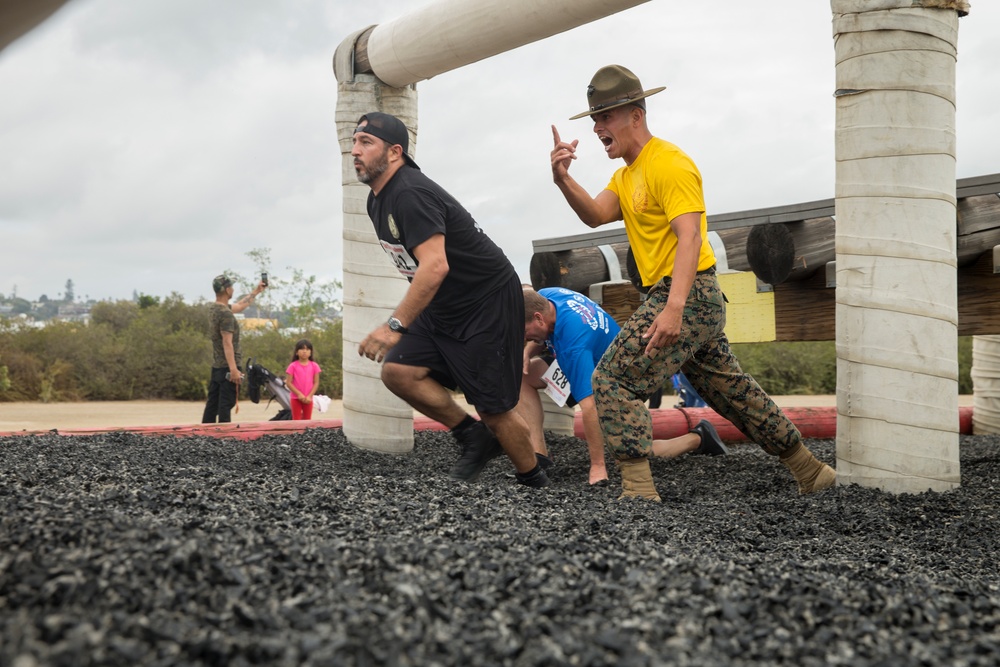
<point x="374" y="418"/>
<point x="897" y="310"/>
<point x="985" y="385"/>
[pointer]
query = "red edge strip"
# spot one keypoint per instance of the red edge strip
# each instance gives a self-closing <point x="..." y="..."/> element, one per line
<point x="819" y="423"/>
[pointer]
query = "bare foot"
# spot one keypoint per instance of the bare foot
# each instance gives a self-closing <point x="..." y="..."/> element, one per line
<point x="598" y="475"/>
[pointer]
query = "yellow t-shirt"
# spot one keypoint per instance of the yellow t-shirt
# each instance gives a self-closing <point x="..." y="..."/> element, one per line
<point x="660" y="185"/>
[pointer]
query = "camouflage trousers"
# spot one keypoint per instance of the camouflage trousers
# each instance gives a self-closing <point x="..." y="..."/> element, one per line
<point x="625" y="376"/>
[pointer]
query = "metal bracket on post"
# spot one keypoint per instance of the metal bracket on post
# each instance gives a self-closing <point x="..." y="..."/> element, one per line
<point x="614" y="266"/>
<point x="719" y="248"/>
<point x="831" y="274"/>
<point x="996" y="259"/>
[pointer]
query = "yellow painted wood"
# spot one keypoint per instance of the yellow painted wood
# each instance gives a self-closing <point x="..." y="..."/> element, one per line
<point x="749" y="313"/>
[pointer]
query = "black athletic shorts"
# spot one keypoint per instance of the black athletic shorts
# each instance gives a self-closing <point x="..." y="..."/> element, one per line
<point x="482" y="356"/>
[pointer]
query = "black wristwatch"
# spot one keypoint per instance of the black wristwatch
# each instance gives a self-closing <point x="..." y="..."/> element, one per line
<point x="397" y="326"/>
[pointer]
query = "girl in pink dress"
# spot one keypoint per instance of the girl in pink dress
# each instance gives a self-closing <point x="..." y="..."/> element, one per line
<point x="303" y="380"/>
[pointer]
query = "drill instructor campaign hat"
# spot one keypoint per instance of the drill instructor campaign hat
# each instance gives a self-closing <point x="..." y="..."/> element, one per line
<point x="612" y="87"/>
<point x="389" y="129"/>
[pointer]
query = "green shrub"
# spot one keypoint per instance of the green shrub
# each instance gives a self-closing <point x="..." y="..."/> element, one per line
<point x="163" y="351"/>
<point x="786" y="369"/>
<point x="810" y="367"/>
<point x="965" y="364"/>
<point x="159" y="351"/>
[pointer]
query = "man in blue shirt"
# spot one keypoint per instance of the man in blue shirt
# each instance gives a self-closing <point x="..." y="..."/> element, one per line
<point x="568" y="334"/>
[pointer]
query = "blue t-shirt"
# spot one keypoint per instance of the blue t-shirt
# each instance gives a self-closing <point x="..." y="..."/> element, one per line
<point x="582" y="333"/>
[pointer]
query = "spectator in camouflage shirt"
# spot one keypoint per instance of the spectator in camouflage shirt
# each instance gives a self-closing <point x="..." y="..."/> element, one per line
<point x="226" y="355"/>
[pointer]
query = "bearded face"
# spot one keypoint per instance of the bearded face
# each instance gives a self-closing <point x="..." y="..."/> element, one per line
<point x="372" y="163"/>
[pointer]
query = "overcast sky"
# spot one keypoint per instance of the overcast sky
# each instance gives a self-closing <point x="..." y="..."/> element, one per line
<point x="145" y="146"/>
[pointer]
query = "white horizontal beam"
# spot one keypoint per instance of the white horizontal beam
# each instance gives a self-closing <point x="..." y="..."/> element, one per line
<point x="449" y="34"/>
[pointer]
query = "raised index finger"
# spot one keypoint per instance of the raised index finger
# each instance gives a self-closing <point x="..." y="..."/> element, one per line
<point x="555" y="136"/>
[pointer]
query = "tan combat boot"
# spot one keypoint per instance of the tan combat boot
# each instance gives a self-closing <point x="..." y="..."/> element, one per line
<point x="811" y="474"/>
<point x="637" y="480"/>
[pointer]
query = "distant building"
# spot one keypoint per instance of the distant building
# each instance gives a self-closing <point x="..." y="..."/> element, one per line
<point x="74" y="312"/>
<point x="257" y="323"/>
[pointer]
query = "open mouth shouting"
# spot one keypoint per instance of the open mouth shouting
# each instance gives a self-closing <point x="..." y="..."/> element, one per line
<point x="607" y="140"/>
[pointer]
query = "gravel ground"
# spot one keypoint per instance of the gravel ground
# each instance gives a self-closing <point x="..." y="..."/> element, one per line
<point x="302" y="550"/>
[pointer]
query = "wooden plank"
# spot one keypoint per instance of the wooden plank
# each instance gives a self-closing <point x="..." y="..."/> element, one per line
<point x="606" y="236"/>
<point x="791" y="213"/>
<point x="977" y="214"/>
<point x="576" y="269"/>
<point x="964" y="187"/>
<point x="618" y="297"/>
<point x="978" y="185"/>
<point x="805" y="310"/>
<point x="749" y="313"/>
<point x="979" y="299"/>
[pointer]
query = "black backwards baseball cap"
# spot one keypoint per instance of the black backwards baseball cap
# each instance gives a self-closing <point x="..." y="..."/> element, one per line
<point x="389" y="129"/>
<point x="220" y="283"/>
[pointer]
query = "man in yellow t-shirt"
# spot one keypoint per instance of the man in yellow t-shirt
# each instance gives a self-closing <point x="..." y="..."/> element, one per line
<point x="680" y="325"/>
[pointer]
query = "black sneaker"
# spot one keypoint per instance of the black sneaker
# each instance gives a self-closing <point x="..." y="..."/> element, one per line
<point x="479" y="447"/>
<point x="544" y="462"/>
<point x="711" y="443"/>
<point x="536" y="478"/>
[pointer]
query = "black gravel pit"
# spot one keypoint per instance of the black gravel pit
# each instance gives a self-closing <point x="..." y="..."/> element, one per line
<point x="122" y="549"/>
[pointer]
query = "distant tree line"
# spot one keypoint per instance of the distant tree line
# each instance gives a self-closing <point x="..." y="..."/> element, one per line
<point x="161" y="350"/>
<point x="152" y="349"/>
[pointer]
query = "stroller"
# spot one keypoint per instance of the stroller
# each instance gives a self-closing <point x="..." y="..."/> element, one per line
<point x="259" y="378"/>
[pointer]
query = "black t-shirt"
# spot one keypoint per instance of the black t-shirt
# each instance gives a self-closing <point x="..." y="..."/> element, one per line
<point x="410" y="209"/>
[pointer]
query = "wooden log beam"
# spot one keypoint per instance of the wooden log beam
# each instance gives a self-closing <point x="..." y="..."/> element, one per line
<point x="978" y="227"/>
<point x="448" y="34"/>
<point x="579" y="268"/>
<point x="805" y="310"/>
<point x="790" y="251"/>
<point x="362" y="65"/>
<point x="979" y="298"/>
<point x="576" y="269"/>
<point x="793" y="251"/>
<point x="805" y="305"/>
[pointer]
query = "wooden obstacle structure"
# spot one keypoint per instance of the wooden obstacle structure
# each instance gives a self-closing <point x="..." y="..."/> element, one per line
<point x="786" y="255"/>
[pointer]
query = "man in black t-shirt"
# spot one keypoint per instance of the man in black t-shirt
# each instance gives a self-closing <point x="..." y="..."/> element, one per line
<point x="457" y="325"/>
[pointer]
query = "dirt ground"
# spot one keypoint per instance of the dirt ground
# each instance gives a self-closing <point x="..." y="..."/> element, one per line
<point x="16" y="417"/>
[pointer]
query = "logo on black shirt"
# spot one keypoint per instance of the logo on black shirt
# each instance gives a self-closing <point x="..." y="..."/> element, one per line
<point x="393" y="229"/>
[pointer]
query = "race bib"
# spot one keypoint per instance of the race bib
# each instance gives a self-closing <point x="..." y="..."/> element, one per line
<point x="556" y="384"/>
<point x="401" y="259"/>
